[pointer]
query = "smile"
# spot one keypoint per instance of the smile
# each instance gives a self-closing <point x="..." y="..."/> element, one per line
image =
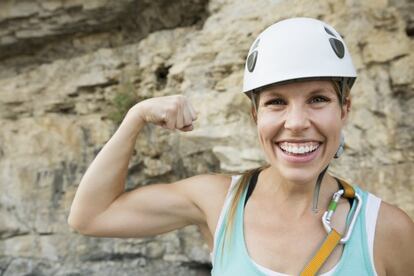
<point x="299" y="148"/>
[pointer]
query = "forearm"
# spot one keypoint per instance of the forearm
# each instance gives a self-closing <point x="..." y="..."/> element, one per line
<point x="104" y="180"/>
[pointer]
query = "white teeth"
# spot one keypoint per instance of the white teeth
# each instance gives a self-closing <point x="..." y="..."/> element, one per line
<point x="299" y="148"/>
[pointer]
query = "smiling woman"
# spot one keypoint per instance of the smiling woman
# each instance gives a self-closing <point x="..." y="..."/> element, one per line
<point x="288" y="217"/>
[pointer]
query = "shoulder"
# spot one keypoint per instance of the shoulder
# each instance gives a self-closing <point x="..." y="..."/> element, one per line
<point x="394" y="241"/>
<point x="395" y="222"/>
<point x="206" y="189"/>
<point x="208" y="192"/>
<point x="207" y="182"/>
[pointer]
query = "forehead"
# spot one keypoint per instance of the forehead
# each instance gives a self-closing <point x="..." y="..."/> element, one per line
<point x="301" y="87"/>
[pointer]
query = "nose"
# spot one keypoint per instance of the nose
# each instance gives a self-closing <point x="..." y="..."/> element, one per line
<point x="297" y="119"/>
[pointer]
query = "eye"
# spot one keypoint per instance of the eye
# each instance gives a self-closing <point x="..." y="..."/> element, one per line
<point x="319" y="99"/>
<point x="277" y="101"/>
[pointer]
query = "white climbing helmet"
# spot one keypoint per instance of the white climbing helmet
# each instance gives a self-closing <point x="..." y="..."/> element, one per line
<point x="294" y="49"/>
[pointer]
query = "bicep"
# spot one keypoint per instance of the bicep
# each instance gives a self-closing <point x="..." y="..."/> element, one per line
<point x="148" y="211"/>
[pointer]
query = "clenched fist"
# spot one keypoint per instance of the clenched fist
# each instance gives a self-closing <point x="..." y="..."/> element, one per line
<point x="171" y="112"/>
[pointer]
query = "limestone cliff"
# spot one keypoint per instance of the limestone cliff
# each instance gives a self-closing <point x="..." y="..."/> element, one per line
<point x="69" y="69"/>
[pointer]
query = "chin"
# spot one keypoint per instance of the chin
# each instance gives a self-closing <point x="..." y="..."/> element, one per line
<point x="299" y="175"/>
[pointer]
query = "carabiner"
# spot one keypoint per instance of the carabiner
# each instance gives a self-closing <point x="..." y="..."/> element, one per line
<point x="326" y="218"/>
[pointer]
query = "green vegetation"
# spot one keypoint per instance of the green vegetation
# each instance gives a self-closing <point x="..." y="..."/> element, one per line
<point x="123" y="101"/>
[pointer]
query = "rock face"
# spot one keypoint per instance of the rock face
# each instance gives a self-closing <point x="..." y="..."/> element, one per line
<point x="68" y="66"/>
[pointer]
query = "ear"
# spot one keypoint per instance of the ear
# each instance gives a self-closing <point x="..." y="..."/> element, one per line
<point x="346" y="108"/>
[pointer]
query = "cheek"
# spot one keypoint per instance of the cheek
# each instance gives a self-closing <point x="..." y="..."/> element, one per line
<point x="329" y="124"/>
<point x="328" y="120"/>
<point x="268" y="125"/>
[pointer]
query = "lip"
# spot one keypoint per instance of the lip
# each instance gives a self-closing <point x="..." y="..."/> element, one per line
<point x="298" y="141"/>
<point x="298" y="158"/>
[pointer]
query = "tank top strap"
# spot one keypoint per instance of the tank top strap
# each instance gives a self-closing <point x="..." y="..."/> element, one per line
<point x="227" y="201"/>
<point x="371" y="215"/>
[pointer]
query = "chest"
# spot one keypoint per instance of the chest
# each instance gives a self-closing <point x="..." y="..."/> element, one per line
<point x="285" y="245"/>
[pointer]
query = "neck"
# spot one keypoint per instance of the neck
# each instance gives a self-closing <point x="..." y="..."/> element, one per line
<point x="295" y="198"/>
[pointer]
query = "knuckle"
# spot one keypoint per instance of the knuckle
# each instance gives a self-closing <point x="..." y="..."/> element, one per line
<point x="180" y="99"/>
<point x="171" y="110"/>
<point x="174" y="105"/>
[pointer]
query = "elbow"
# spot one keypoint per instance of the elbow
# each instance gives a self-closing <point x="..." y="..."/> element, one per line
<point x="72" y="225"/>
<point x="76" y="226"/>
<point x="81" y="228"/>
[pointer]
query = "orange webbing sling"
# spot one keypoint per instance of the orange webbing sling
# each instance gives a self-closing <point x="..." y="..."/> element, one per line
<point x="330" y="242"/>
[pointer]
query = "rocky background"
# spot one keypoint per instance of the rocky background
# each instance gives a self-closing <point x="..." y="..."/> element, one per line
<point x="70" y="69"/>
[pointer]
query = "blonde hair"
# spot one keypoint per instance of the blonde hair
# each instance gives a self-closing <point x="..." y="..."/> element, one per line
<point x="237" y="192"/>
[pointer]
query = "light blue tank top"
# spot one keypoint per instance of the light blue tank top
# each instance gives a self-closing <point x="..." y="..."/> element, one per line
<point x="356" y="256"/>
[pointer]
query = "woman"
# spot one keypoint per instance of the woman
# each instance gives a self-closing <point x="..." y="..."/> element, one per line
<point x="298" y="76"/>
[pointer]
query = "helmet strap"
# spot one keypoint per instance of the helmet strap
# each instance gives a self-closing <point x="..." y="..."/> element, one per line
<point x="341" y="146"/>
<point x="253" y="97"/>
<point x="342" y="87"/>
<point x="317" y="189"/>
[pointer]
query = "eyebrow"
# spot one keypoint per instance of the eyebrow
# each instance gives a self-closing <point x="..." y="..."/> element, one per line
<point x="321" y="90"/>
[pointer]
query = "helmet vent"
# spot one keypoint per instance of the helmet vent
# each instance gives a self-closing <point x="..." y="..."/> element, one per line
<point x="256" y="44"/>
<point x="338" y="47"/>
<point x="251" y="61"/>
<point x="329" y="32"/>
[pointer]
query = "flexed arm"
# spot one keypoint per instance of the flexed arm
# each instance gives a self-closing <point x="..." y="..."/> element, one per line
<point x="101" y="198"/>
